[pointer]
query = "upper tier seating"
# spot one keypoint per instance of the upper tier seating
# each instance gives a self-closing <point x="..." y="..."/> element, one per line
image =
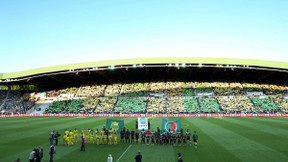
<point x="226" y="89"/>
<point x="98" y="90"/>
<point x="113" y="89"/>
<point x="84" y="91"/>
<point x="252" y="87"/>
<point x="174" y="88"/>
<point x="157" y="87"/>
<point x="135" y="90"/>
<point x="271" y="89"/>
<point x="71" y="90"/>
<point x="53" y="93"/>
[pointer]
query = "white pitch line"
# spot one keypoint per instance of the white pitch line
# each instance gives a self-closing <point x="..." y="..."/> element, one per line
<point x="124" y="153"/>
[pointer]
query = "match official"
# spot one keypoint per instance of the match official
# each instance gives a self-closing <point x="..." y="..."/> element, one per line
<point x="138" y="157"/>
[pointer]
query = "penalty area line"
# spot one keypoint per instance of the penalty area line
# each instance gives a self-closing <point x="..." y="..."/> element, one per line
<point x="124" y="153"/>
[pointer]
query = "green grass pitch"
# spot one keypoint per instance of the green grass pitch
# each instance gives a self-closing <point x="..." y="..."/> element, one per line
<point x="220" y="139"/>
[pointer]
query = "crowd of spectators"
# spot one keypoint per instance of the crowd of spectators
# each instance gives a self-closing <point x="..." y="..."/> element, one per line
<point x="265" y="104"/>
<point x="65" y="106"/>
<point x="106" y="105"/>
<point x="130" y="105"/>
<point x="174" y="88"/>
<point x="135" y="90"/>
<point x="70" y="90"/>
<point x="237" y="104"/>
<point x="94" y="90"/>
<point x="157" y="87"/>
<point x="209" y="105"/>
<point x="272" y="89"/>
<point x="3" y="95"/>
<point x="252" y="87"/>
<point x="84" y="91"/>
<point x="280" y="102"/>
<point x="191" y="105"/>
<point x="175" y="105"/>
<point x="203" y="87"/>
<point x="226" y="89"/>
<point x="17" y="102"/>
<point x="156" y="105"/>
<point x="113" y="89"/>
<point x="158" y="97"/>
<point x="89" y="105"/>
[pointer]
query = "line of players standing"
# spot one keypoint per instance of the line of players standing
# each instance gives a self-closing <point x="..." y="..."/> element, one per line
<point x="158" y="137"/>
<point x="104" y="136"/>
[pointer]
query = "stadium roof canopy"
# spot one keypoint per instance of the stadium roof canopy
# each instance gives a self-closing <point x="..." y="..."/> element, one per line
<point x="123" y="65"/>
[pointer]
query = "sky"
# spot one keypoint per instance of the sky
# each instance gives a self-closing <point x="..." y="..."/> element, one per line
<point x="37" y="33"/>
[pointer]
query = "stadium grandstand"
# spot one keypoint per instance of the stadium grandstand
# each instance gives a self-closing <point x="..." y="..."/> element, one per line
<point x="149" y="86"/>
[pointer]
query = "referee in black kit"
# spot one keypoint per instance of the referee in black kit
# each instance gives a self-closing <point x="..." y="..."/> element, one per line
<point x="138" y="157"/>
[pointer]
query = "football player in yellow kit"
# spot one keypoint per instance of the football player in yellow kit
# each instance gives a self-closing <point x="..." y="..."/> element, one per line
<point x="66" y="132"/>
<point x="83" y="132"/>
<point x="89" y="135"/>
<point x="97" y="136"/>
<point x="102" y="136"/>
<point x="64" y="139"/>
<point x="71" y="136"/>
<point x="110" y="133"/>
<point x="67" y="140"/>
<point x="92" y="136"/>
<point x="75" y="135"/>
<point x="115" y="137"/>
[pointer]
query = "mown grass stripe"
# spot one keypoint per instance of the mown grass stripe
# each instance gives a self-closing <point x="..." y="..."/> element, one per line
<point x="273" y="138"/>
<point x="242" y="147"/>
<point x="25" y="136"/>
<point x="274" y="122"/>
<point x="269" y="129"/>
<point x="208" y="147"/>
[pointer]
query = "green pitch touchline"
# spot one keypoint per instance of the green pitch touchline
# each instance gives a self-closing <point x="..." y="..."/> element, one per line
<point x="164" y="60"/>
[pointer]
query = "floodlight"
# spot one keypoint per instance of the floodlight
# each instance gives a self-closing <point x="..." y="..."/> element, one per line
<point x="183" y="65"/>
<point x="112" y="67"/>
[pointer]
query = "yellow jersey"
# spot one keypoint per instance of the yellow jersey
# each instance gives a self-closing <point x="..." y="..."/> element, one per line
<point x="102" y="133"/>
<point x="110" y="132"/>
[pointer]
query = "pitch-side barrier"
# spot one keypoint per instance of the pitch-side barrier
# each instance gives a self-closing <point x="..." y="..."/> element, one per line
<point x="145" y="115"/>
